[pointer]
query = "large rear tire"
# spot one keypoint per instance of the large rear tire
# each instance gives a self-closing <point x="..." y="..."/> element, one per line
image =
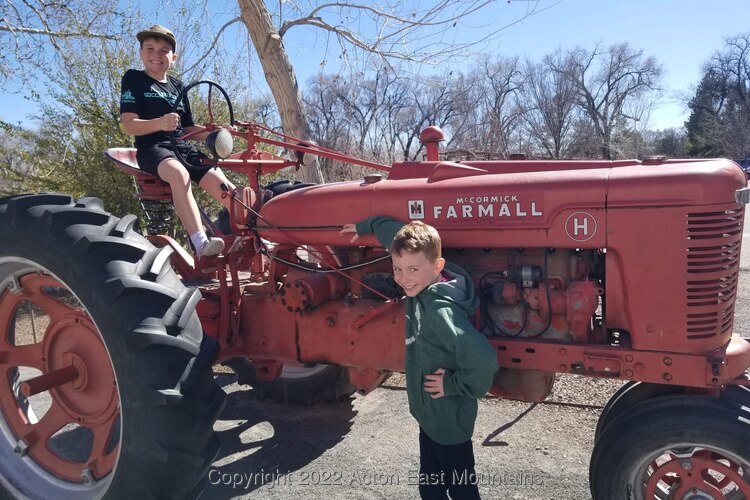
<point x="120" y="369"/>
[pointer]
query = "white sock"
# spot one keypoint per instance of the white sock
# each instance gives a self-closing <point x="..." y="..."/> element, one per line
<point x="199" y="239"/>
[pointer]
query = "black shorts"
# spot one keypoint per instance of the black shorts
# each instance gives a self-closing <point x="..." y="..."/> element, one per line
<point x="149" y="159"/>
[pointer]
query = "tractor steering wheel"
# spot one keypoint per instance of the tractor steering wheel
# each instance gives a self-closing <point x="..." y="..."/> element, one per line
<point x="173" y="135"/>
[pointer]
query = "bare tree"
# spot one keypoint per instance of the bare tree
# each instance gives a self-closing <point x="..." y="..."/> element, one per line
<point x="505" y="80"/>
<point x="384" y="115"/>
<point x="606" y="83"/>
<point x="363" y="102"/>
<point x="431" y="102"/>
<point x="31" y="31"/>
<point x="402" y="32"/>
<point x="492" y="103"/>
<point x="394" y="109"/>
<point x="280" y="76"/>
<point x="551" y="111"/>
<point x="734" y="63"/>
<point x="398" y="31"/>
<point x="328" y="124"/>
<point x="355" y="118"/>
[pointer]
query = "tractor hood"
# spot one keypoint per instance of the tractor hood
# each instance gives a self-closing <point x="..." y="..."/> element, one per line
<point x="500" y="204"/>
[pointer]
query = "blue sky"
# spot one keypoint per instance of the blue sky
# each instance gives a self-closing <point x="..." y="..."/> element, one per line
<point x="680" y="34"/>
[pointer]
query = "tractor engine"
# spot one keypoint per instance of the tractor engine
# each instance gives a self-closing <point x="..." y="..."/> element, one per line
<point x="551" y="294"/>
<point x="536" y="293"/>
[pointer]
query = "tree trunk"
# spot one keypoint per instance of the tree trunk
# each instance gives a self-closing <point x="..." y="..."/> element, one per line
<point x="279" y="75"/>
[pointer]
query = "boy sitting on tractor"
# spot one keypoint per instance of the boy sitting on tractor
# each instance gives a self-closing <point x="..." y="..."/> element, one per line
<point x="146" y="101"/>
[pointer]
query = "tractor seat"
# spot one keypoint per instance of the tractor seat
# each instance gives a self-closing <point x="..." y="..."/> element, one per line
<point x="150" y="187"/>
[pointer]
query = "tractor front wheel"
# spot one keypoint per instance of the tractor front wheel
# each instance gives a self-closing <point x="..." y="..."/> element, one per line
<point x="630" y="394"/>
<point x="106" y="388"/>
<point x="674" y="447"/>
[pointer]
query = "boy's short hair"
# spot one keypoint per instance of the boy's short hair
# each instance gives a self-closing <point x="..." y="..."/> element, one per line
<point x="418" y="237"/>
<point x="157" y="31"/>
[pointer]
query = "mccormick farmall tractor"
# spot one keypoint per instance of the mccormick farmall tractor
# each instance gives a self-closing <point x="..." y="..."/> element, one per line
<point x="619" y="269"/>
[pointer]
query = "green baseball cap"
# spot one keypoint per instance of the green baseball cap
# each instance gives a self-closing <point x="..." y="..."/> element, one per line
<point x="157" y="31"/>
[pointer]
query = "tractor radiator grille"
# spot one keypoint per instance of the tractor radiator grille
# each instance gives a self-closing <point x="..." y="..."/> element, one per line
<point x="713" y="257"/>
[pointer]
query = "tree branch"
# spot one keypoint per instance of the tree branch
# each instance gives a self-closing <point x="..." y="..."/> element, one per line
<point x="393" y="28"/>
<point x="58" y="34"/>
<point x="213" y="44"/>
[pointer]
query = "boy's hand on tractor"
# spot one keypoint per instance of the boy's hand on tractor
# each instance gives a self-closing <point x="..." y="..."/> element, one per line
<point x="350" y="229"/>
<point x="434" y="384"/>
<point x="170" y="121"/>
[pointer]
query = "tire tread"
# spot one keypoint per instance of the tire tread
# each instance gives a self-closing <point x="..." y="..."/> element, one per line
<point x="148" y="322"/>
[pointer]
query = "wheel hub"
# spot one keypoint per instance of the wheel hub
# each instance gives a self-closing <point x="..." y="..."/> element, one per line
<point x="90" y="398"/>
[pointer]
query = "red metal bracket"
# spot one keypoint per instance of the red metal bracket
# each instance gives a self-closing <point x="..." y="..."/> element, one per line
<point x="721" y="367"/>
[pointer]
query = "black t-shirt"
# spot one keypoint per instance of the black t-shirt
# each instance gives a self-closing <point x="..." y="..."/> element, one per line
<point x="149" y="99"/>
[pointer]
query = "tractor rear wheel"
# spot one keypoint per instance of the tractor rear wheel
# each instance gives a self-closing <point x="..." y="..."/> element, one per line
<point x="106" y="388"/>
<point x="674" y="447"/>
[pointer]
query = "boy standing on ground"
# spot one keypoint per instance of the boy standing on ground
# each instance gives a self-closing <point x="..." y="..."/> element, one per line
<point x="449" y="364"/>
<point x="146" y="102"/>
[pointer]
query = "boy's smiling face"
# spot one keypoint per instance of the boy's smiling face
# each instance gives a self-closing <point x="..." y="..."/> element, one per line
<point x="414" y="272"/>
<point x="157" y="56"/>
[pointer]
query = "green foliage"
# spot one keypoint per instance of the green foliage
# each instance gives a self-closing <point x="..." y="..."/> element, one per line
<point x="719" y="123"/>
<point x="14" y="146"/>
<point x="669" y="142"/>
<point x="79" y="119"/>
<point x="80" y="122"/>
<point x="704" y="125"/>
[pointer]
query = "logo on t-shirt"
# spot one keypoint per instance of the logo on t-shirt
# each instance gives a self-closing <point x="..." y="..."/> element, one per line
<point x="127" y="97"/>
<point x="158" y="93"/>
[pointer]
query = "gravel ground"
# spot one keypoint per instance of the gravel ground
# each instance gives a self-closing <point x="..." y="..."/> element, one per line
<point x="366" y="447"/>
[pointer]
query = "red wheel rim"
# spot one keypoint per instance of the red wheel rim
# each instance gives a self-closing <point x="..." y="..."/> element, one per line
<point x="701" y="473"/>
<point x="88" y="398"/>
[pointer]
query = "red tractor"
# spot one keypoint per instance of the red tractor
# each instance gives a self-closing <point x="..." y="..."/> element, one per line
<point x="619" y="269"/>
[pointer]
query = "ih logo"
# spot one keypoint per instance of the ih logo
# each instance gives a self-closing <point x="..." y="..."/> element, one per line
<point x="416" y="209"/>
<point x="581" y="226"/>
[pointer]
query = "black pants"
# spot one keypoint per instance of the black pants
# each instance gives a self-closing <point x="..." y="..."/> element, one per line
<point x="446" y="468"/>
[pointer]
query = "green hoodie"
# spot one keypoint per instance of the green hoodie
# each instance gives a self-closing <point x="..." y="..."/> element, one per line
<point x="439" y="334"/>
